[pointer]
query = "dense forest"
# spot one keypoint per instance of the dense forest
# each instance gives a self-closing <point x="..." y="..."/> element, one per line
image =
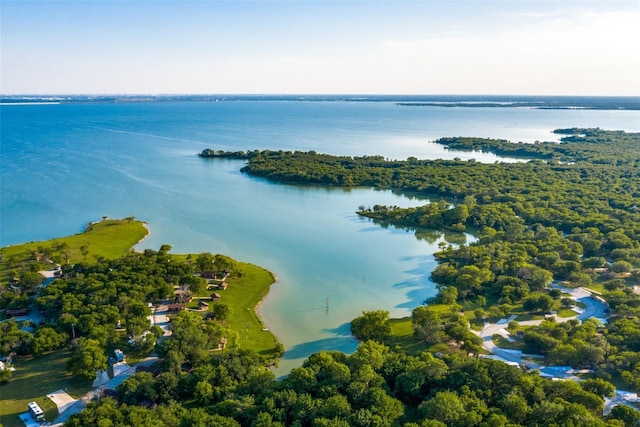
<point x="570" y="215"/>
<point x="192" y="384"/>
<point x="375" y="386"/>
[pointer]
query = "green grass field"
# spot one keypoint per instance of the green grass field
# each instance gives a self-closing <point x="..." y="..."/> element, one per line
<point x="110" y="239"/>
<point x="402" y="335"/>
<point x="243" y="295"/>
<point x="566" y="312"/>
<point x="502" y="342"/>
<point x="32" y="380"/>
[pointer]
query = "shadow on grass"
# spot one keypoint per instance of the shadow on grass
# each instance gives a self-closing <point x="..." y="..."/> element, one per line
<point x="33" y="379"/>
<point x="402" y="336"/>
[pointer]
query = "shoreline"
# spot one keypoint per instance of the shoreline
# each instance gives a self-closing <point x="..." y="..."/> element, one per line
<point x="146" y="227"/>
<point x="256" y="307"/>
<point x="266" y="279"/>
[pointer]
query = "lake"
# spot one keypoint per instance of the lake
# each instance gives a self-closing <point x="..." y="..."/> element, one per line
<point x="65" y="165"/>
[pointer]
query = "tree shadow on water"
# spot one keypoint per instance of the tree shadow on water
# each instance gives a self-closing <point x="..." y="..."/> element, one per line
<point x="419" y="286"/>
<point x="343" y="330"/>
<point x="342" y="341"/>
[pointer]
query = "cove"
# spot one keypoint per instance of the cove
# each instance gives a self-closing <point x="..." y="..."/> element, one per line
<point x="331" y="263"/>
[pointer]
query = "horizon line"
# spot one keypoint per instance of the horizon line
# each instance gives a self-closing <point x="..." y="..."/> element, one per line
<point x="311" y="94"/>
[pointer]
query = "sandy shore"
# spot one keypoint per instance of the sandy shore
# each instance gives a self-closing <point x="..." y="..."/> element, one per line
<point x="146" y="226"/>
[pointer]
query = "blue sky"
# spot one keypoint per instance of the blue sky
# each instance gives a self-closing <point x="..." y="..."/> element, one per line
<point x="368" y="47"/>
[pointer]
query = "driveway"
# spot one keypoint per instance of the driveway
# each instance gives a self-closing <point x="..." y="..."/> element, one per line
<point x="62" y="400"/>
<point x="594" y="307"/>
<point x="161" y="319"/>
<point x="124" y="371"/>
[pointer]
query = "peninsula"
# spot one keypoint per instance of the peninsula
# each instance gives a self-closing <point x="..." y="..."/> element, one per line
<point x="70" y="302"/>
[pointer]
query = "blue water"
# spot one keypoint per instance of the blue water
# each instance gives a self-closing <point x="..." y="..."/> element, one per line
<point x="65" y="165"/>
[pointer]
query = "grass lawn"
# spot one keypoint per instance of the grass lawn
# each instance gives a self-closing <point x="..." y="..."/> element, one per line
<point x="597" y="286"/>
<point x="110" y="239"/>
<point x="32" y="380"/>
<point x="243" y="295"/>
<point x="402" y="335"/>
<point x="502" y="342"/>
<point x="523" y="317"/>
<point x="441" y="309"/>
<point x="566" y="312"/>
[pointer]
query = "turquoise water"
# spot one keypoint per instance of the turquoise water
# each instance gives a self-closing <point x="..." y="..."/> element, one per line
<point x="65" y="165"/>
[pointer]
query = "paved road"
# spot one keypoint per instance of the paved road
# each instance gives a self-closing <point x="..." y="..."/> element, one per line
<point x="594" y="307"/>
<point x="80" y="404"/>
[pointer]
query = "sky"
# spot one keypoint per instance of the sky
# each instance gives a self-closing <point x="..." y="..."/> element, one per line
<point x="526" y="47"/>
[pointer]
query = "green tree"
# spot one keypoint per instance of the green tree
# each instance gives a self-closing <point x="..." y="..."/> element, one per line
<point x="449" y="295"/>
<point x="5" y="376"/>
<point x="30" y="279"/>
<point x="136" y="388"/>
<point x="445" y="407"/>
<point x="221" y="311"/>
<point x="598" y="386"/>
<point x="621" y="266"/>
<point x="203" y="393"/>
<point x="47" y="339"/>
<point x="188" y="342"/>
<point x="205" y="262"/>
<point x="427" y="325"/>
<point x="198" y="286"/>
<point x="372" y="325"/>
<point x="539" y="303"/>
<point x="629" y="416"/>
<point x="88" y="357"/>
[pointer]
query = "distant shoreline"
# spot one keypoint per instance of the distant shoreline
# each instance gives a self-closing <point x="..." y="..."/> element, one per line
<point x="463" y="101"/>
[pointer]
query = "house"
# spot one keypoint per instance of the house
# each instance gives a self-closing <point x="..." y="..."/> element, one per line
<point x="223" y="286"/>
<point x="109" y="392"/>
<point x="16" y="312"/>
<point x="216" y="296"/>
<point x="208" y="274"/>
<point x="152" y="371"/>
<point x="203" y="306"/>
<point x="182" y="296"/>
<point x="175" y="307"/>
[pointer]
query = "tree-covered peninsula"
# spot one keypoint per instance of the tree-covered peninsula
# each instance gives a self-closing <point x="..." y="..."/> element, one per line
<point x="569" y="216"/>
<point x="81" y="300"/>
